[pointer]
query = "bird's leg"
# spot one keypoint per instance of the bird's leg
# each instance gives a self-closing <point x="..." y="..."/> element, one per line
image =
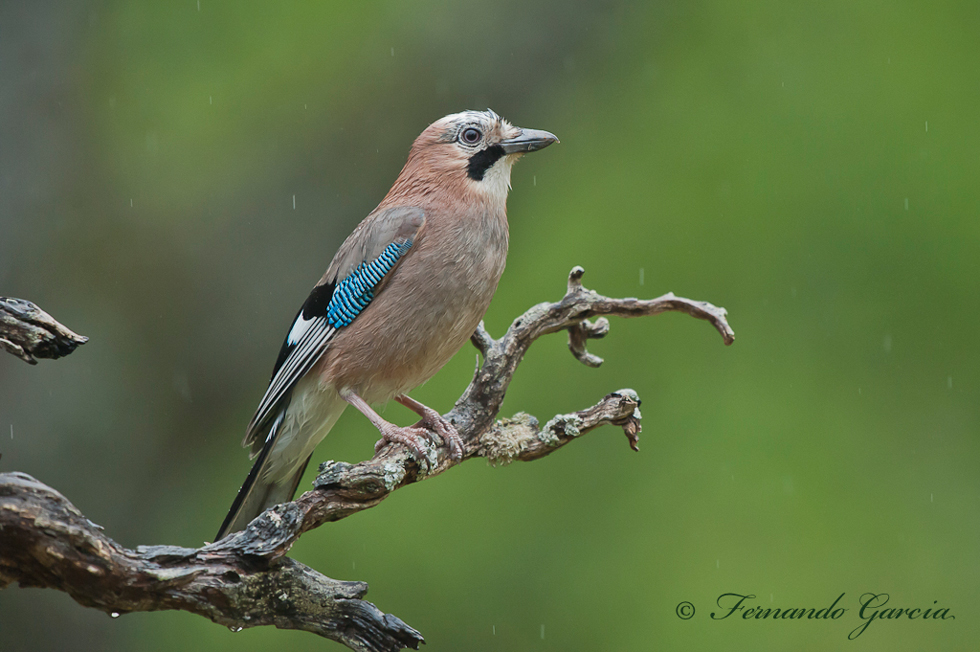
<point x="409" y="437"/>
<point x="434" y="422"/>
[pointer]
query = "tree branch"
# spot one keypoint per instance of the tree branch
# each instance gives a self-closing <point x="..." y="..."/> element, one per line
<point x="46" y="542"/>
<point x="245" y="580"/>
<point x="28" y="332"/>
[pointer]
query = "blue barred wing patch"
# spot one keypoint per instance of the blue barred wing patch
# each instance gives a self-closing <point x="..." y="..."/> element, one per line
<point x="333" y="305"/>
<point x="353" y="294"/>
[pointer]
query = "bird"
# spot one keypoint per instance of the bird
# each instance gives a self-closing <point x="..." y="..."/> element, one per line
<point x="403" y="293"/>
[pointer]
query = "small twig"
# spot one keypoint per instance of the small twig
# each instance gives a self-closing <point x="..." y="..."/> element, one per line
<point x="28" y="332"/>
<point x="522" y="439"/>
<point x="245" y="579"/>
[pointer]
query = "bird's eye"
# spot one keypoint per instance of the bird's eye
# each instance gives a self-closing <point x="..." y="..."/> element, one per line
<point x="471" y="136"/>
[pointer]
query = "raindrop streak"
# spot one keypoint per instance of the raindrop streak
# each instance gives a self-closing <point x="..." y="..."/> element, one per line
<point x="494" y="630"/>
<point x="294" y="202"/>
<point x="906" y="203"/>
<point x="717" y="563"/>
<point x="130" y="203"/>
<point x="11" y="431"/>
<point x="198" y="5"/>
<point x="641" y="276"/>
<point x="534" y="180"/>
<point x="542" y="632"/>
<point x="392" y="51"/>
<point x="927" y="126"/>
<point x="210" y="99"/>
<point x="949" y="383"/>
<point x="931" y="496"/>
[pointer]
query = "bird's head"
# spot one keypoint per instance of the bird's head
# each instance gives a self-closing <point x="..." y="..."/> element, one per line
<point x="474" y="149"/>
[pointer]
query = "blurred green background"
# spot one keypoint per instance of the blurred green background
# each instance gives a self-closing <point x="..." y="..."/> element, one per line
<point x="174" y="177"/>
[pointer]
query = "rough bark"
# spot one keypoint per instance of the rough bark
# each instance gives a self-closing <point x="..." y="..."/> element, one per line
<point x="246" y="580"/>
<point x="28" y="332"/>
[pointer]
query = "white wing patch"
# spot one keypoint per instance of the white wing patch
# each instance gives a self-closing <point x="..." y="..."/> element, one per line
<point x="300" y="326"/>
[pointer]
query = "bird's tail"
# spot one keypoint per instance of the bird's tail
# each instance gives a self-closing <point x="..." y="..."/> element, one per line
<point x="259" y="493"/>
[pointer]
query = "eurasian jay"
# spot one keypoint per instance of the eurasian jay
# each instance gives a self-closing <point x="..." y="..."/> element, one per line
<point x="401" y="296"/>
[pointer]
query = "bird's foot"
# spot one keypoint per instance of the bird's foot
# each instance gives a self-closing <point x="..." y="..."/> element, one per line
<point x="433" y="421"/>
<point x="410" y="437"/>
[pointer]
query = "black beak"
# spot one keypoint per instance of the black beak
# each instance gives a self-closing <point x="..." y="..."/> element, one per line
<point x="529" y="140"/>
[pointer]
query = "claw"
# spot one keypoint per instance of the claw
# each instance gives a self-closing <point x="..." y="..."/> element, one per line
<point x="447" y="432"/>
<point x="409" y="437"/>
<point x="434" y="422"/>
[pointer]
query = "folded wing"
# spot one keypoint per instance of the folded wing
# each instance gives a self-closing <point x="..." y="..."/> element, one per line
<point x="354" y="278"/>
